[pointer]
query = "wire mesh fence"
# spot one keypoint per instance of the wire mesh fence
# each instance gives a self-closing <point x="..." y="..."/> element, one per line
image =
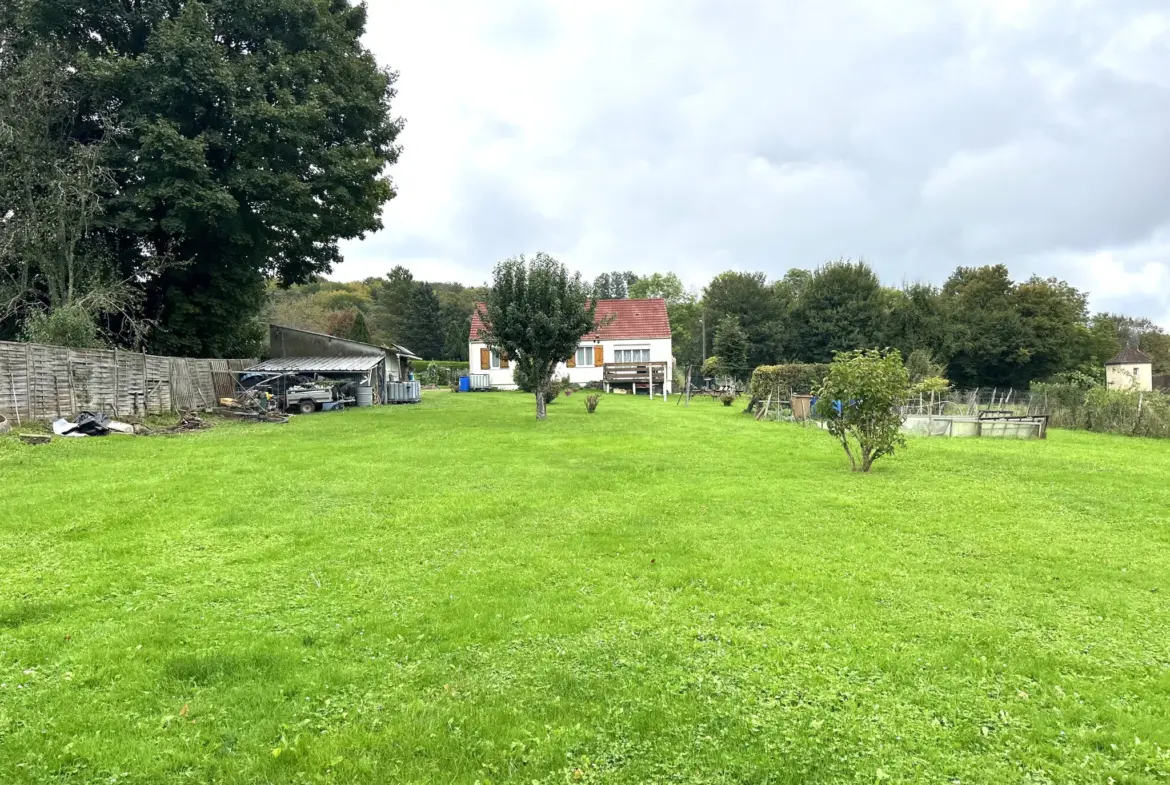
<point x="1128" y="412"/>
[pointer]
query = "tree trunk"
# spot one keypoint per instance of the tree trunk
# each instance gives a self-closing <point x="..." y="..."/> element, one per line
<point x="541" y="410"/>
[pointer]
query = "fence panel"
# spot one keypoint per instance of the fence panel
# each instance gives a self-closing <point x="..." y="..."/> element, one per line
<point x="40" y="382"/>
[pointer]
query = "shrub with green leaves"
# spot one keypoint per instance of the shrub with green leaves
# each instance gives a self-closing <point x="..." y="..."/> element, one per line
<point x="858" y="402"/>
<point x="591" y="402"/>
<point x="931" y="385"/>
<point x="790" y="379"/>
<point x="69" y="325"/>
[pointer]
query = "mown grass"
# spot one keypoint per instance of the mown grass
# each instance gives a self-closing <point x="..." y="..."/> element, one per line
<point x="453" y="592"/>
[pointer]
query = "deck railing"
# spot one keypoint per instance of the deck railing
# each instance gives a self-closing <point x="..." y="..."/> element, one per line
<point x="640" y="373"/>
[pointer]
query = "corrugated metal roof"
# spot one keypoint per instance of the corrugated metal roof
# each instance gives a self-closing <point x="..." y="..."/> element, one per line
<point x="318" y="364"/>
<point x="402" y="351"/>
<point x="327" y="335"/>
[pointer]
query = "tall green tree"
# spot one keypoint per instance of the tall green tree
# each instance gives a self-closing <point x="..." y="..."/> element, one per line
<point x="536" y="313"/>
<point x="916" y="320"/>
<point x="424" y="328"/>
<point x="392" y="305"/>
<point x="456" y="303"/>
<point x="1000" y="334"/>
<point x="731" y="346"/>
<point x="50" y="186"/>
<point x="748" y="298"/>
<point x="256" y="136"/>
<point x="666" y="286"/>
<point x="1110" y="333"/>
<point x="841" y="307"/>
<point x="686" y="333"/>
<point x="613" y="286"/>
<point x="360" y="330"/>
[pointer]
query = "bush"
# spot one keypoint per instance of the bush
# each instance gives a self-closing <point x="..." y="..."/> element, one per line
<point x="922" y="366"/>
<point x="556" y="387"/>
<point x="858" y="401"/>
<point x="791" y="379"/>
<point x="931" y="384"/>
<point x="712" y="367"/>
<point x="728" y="398"/>
<point x="70" y="325"/>
<point x="1081" y="403"/>
<point x="439" y="372"/>
<point x="591" y="402"/>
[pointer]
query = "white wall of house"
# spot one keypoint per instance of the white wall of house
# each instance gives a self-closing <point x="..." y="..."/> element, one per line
<point x="657" y="349"/>
<point x="1138" y="376"/>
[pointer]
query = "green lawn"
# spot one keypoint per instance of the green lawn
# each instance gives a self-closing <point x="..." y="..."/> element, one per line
<point x="453" y="592"/>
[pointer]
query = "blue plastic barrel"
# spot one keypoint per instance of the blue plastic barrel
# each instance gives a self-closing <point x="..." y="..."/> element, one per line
<point x="464" y="384"/>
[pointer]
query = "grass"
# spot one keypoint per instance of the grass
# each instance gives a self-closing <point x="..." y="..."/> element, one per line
<point x="452" y="592"/>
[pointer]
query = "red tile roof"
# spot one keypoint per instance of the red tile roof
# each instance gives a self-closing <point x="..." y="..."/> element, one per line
<point x="631" y="319"/>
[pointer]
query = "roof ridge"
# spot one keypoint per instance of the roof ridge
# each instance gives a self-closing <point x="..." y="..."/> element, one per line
<point x="1130" y="354"/>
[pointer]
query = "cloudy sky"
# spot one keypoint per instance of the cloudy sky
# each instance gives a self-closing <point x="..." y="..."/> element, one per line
<point x="699" y="136"/>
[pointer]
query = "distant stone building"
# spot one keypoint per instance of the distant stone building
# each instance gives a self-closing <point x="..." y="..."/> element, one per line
<point x="1131" y="369"/>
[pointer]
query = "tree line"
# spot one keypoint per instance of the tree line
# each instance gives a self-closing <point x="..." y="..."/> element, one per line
<point x="978" y="329"/>
<point x="176" y="173"/>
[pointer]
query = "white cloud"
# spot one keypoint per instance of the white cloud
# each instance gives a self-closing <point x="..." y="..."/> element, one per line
<point x="766" y="135"/>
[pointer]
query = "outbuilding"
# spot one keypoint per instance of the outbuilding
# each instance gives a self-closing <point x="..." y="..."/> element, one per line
<point x="383" y="370"/>
<point x="1130" y="369"/>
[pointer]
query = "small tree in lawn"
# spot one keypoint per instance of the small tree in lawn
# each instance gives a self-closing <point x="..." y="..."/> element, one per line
<point x="859" y="399"/>
<point x="535" y="314"/>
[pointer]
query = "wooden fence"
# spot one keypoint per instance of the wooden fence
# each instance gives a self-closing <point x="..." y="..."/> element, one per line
<point x="40" y="382"/>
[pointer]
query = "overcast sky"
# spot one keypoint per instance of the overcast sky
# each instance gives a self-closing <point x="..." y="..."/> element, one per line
<point x="695" y="136"/>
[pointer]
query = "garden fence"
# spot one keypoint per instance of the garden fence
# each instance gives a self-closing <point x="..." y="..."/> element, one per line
<point x="1128" y="412"/>
<point x="40" y="382"/>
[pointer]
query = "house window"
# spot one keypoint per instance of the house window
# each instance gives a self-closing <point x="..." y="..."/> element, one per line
<point x="632" y="355"/>
<point x="1136" y="371"/>
<point x="584" y="357"/>
<point x="495" y="362"/>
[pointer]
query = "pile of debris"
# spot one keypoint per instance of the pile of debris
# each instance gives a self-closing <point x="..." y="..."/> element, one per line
<point x="188" y="422"/>
<point x="91" y="424"/>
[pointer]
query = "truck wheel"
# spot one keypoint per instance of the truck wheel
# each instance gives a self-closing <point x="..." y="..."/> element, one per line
<point x="307" y="407"/>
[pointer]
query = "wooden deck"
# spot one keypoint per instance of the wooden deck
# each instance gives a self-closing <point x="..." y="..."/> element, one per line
<point x="649" y="377"/>
<point x="634" y="373"/>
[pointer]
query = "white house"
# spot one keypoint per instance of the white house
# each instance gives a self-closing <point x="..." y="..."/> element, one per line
<point x="1131" y="369"/>
<point x="629" y="349"/>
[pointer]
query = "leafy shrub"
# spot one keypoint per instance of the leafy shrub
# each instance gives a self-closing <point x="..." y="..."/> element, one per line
<point x="728" y="398"/>
<point x="712" y="367"/>
<point x="71" y="325"/>
<point x="439" y="372"/>
<point x="420" y="366"/>
<point x="591" y="402"/>
<point x="791" y="379"/>
<point x="858" y="401"/>
<point x="1127" y="412"/>
<point x="921" y="366"/>
<point x="558" y="386"/>
<point x="931" y="384"/>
